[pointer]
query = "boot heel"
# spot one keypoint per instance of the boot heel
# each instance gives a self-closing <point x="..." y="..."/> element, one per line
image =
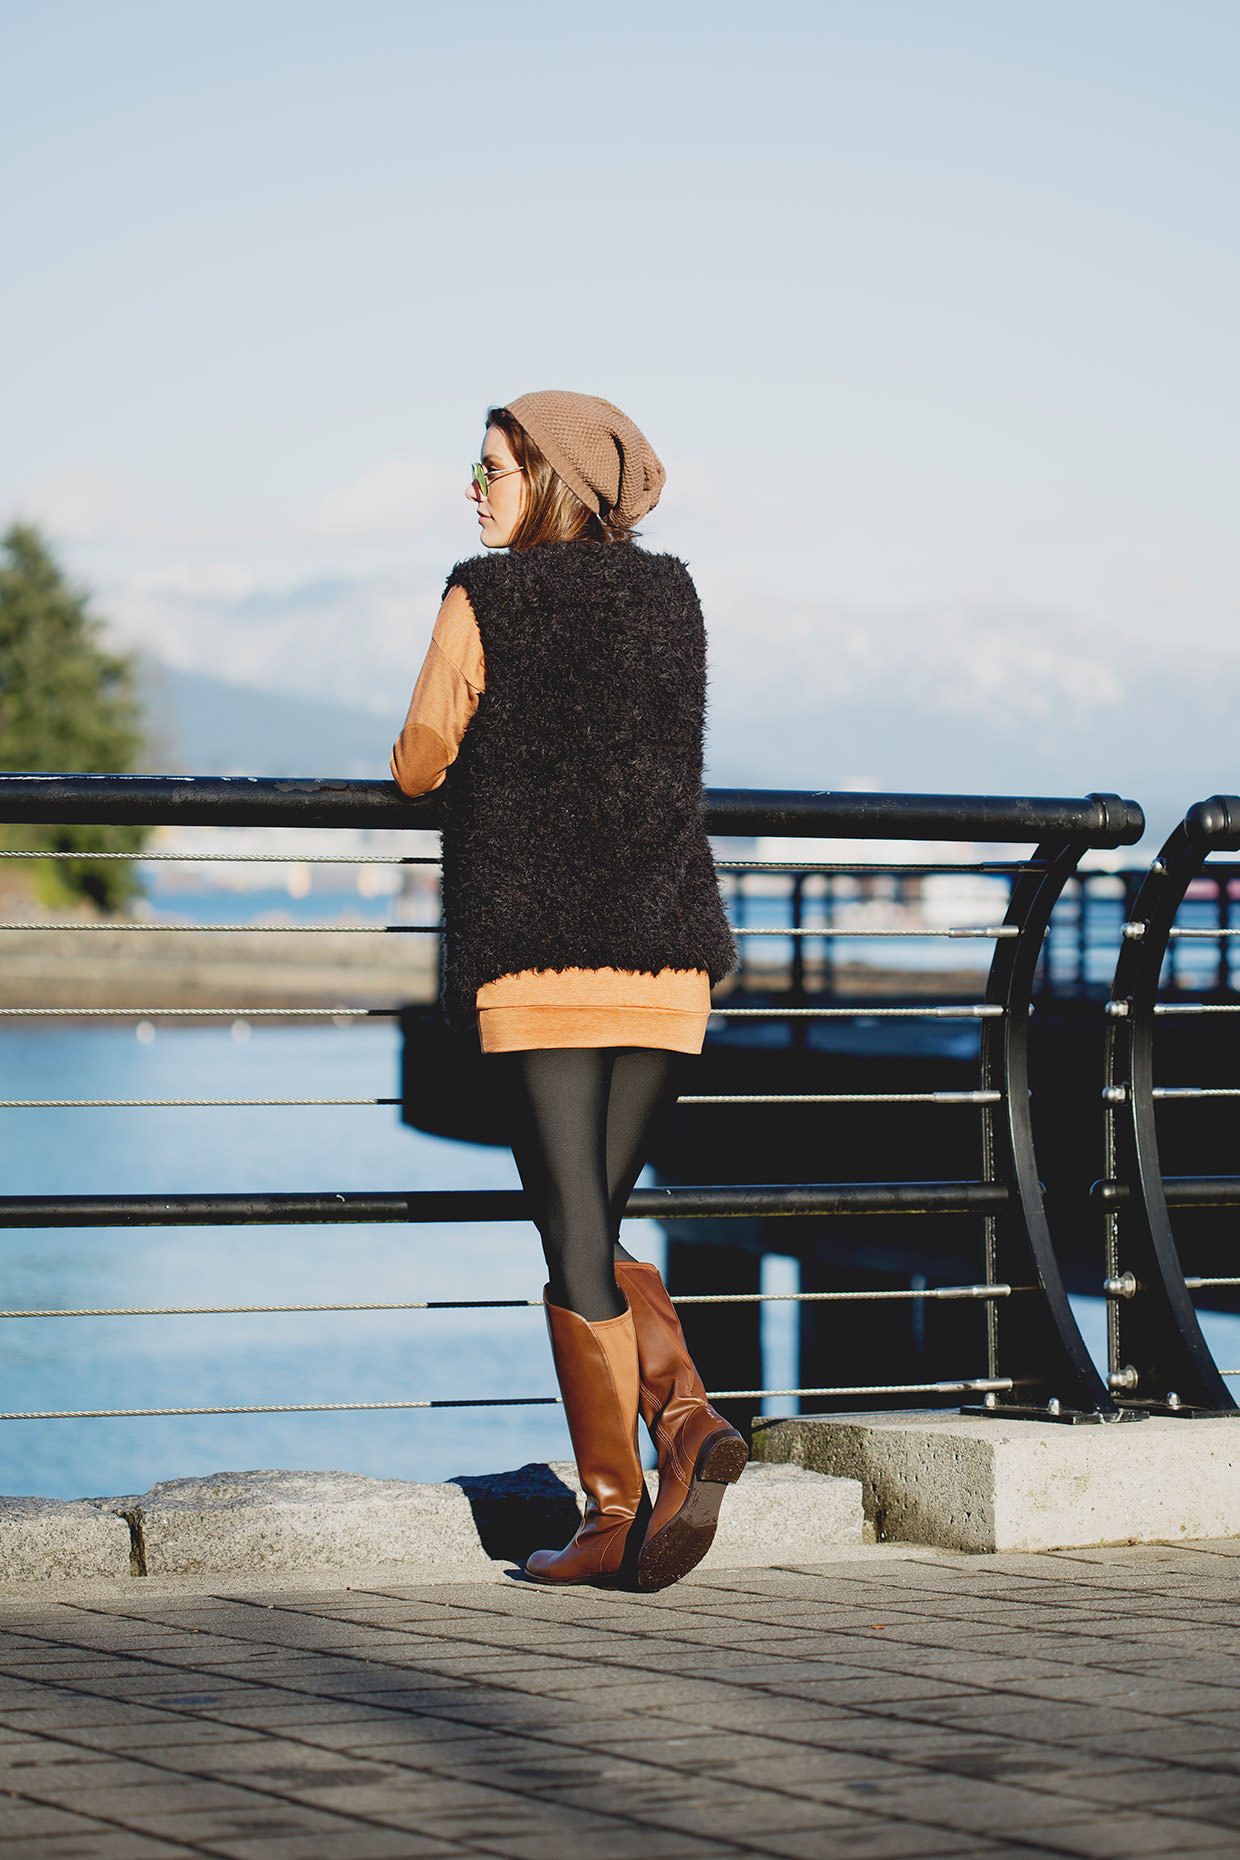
<point x="723" y="1459"/>
<point x="626" y="1575"/>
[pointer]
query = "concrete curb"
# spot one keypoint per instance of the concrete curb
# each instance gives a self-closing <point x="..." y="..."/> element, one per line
<point x="776" y="1514"/>
<point x="42" y="1538"/>
<point x="962" y="1482"/>
<point x="300" y="1521"/>
<point x="255" y="1524"/>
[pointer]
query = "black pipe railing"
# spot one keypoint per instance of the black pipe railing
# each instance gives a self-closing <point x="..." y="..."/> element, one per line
<point x="1036" y="1358"/>
<point x="708" y="1202"/>
<point x="1159" y="1360"/>
<point x="262" y="801"/>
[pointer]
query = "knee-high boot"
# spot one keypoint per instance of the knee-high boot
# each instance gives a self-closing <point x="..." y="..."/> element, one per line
<point x="700" y="1454"/>
<point x="596" y="1365"/>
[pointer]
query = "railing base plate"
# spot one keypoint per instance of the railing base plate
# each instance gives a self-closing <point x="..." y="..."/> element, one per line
<point x="1177" y="1411"/>
<point x="1069" y="1417"/>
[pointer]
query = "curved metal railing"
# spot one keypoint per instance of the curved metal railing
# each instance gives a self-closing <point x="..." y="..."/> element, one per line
<point x="1159" y="1360"/>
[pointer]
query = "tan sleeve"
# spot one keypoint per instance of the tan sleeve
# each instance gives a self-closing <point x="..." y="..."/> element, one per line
<point x="452" y="679"/>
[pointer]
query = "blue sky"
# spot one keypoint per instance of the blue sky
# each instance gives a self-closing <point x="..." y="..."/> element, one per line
<point x="929" y="306"/>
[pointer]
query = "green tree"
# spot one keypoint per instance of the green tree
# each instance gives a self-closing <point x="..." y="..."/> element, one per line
<point x="66" y="705"/>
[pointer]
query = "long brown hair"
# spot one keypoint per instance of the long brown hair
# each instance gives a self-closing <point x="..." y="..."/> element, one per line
<point x="553" y="512"/>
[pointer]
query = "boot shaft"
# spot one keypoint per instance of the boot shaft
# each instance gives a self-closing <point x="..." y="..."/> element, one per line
<point x="596" y="1366"/>
<point x="668" y="1376"/>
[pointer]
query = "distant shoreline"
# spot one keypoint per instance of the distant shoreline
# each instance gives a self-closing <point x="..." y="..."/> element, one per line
<point x="106" y="968"/>
<point x="246" y="969"/>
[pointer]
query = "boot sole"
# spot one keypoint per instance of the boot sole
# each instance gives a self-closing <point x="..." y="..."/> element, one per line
<point x="685" y="1539"/>
<point x="574" y="1582"/>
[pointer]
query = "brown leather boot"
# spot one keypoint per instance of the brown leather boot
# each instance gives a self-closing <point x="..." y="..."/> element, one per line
<point x="700" y="1454"/>
<point x="596" y="1365"/>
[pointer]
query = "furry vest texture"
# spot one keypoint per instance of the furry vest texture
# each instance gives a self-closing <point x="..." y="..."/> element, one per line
<point x="574" y="835"/>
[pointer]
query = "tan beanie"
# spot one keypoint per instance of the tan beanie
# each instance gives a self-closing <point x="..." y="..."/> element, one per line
<point x="597" y="450"/>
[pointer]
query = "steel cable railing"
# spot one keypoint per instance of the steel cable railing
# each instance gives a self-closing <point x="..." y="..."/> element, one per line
<point x="974" y="1010"/>
<point x="184" y="1104"/>
<point x="225" y="858"/>
<point x="60" y="928"/>
<point x="975" y="1385"/>
<point x="989" y="934"/>
<point x="198" y="1013"/>
<point x="511" y="1304"/>
<point x="1052" y="1374"/>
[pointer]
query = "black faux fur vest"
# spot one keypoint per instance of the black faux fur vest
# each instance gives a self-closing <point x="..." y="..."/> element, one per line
<point x="573" y="835"/>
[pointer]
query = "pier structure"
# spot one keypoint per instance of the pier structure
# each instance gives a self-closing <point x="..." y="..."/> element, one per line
<point x="1130" y="1055"/>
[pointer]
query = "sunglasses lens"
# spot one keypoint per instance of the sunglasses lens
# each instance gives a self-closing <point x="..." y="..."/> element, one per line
<point x="479" y="477"/>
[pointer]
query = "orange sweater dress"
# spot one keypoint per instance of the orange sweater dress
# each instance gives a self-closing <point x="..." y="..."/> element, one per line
<point x="537" y="1008"/>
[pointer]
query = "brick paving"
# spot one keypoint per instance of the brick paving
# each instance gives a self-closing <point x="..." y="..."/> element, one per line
<point x="884" y="1706"/>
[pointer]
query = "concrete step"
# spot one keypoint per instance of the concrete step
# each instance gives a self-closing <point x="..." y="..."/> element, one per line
<point x="979" y="1483"/>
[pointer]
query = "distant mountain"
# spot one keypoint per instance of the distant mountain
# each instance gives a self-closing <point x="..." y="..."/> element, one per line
<point x="803" y="695"/>
<point x="1001" y="702"/>
<point x="208" y="726"/>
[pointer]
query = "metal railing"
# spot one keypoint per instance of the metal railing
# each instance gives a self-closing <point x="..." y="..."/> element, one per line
<point x="1036" y="1361"/>
<point x="1158" y="1358"/>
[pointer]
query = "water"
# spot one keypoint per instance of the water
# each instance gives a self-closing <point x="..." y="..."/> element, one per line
<point x="210" y="905"/>
<point x="200" y="1361"/>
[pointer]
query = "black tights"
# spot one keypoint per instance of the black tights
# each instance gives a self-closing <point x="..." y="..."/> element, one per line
<point x="579" y="1120"/>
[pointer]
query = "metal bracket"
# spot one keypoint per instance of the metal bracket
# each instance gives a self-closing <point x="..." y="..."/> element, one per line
<point x="1053" y="1411"/>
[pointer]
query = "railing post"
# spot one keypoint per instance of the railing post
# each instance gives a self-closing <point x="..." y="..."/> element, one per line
<point x="1035" y="1339"/>
<point x="1222" y="901"/>
<point x="1159" y="1359"/>
<point x="796" y="990"/>
<point x="827" y="986"/>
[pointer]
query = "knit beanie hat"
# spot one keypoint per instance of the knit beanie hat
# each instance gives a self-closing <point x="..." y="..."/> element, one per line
<point x="596" y="449"/>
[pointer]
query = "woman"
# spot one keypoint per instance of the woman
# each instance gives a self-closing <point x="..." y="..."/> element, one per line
<point x="562" y="700"/>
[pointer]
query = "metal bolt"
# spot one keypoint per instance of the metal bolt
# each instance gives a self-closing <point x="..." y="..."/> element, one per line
<point x="1118" y="1010"/>
<point x="1125" y="1378"/>
<point x="1134" y="932"/>
<point x="1125" y="1286"/>
<point x="1115" y="1094"/>
<point x="1052" y="1406"/>
<point x="1159" y="866"/>
<point x="1173" y="1400"/>
<point x="990" y="1400"/>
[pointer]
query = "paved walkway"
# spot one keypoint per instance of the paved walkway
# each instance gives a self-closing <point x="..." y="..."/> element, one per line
<point x="883" y="1706"/>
